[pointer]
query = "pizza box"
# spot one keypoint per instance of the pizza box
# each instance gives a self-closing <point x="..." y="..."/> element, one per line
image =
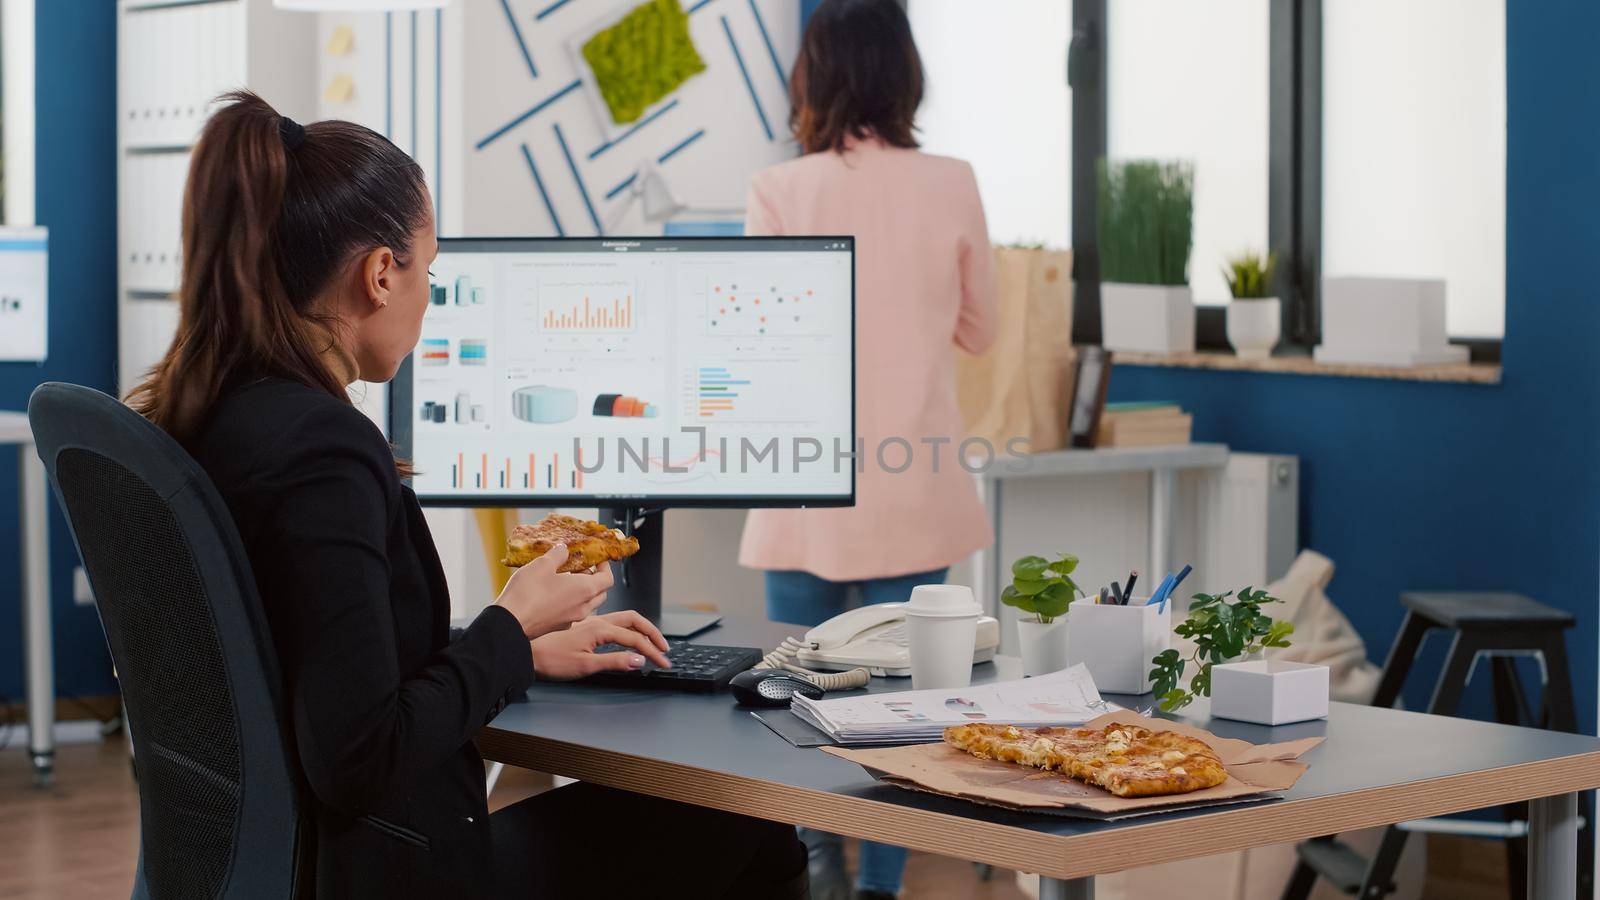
<point x="1255" y="772"/>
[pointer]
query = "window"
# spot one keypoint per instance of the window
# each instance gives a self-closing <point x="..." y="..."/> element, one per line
<point x="1188" y="80"/>
<point x="1358" y="137"/>
<point x="16" y="111"/>
<point x="1414" y="149"/>
<point x="997" y="97"/>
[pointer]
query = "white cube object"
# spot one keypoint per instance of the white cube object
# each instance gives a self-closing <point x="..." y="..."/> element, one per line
<point x="1147" y="318"/>
<point x="1386" y="322"/>
<point x="1117" y="643"/>
<point x="1269" y="691"/>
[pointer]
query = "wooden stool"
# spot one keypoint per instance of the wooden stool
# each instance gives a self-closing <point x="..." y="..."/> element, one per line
<point x="1500" y="627"/>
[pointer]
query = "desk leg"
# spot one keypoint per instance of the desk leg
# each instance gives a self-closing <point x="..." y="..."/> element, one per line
<point x="36" y="615"/>
<point x="1059" y="889"/>
<point x="1163" y="497"/>
<point x="1553" y="846"/>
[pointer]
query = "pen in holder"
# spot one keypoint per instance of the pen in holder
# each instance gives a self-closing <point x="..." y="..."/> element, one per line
<point x="1118" y="642"/>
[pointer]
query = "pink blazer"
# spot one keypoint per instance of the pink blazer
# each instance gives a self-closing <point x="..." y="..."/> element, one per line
<point x="924" y="286"/>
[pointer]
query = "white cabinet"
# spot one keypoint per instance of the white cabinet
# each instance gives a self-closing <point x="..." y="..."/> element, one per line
<point x="174" y="58"/>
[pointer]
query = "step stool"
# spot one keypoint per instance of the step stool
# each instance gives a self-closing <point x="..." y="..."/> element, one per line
<point x="1499" y="627"/>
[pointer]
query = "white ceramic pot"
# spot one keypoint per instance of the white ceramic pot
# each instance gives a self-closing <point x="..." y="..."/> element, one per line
<point x="1253" y="326"/>
<point x="1044" y="647"/>
<point x="1147" y="318"/>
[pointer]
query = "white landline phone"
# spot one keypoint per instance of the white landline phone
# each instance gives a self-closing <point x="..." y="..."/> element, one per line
<point x="873" y="637"/>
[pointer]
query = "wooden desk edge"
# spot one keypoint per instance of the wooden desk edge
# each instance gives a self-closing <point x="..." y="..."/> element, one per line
<point x="1136" y="844"/>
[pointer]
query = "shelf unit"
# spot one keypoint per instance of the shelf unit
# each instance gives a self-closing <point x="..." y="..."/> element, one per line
<point x="174" y="57"/>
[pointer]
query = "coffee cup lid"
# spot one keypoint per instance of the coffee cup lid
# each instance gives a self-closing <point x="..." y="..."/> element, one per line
<point x="942" y="600"/>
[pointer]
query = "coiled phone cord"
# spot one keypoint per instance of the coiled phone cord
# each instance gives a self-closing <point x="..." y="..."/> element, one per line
<point x="783" y="658"/>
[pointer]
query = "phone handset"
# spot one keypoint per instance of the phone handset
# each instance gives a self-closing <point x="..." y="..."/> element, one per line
<point x="783" y="658"/>
<point x="830" y="635"/>
<point x="845" y="627"/>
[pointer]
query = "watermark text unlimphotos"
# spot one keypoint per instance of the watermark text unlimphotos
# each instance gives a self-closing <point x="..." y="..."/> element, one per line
<point x="796" y="453"/>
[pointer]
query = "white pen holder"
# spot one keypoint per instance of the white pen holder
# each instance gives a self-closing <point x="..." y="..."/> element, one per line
<point x="1117" y="643"/>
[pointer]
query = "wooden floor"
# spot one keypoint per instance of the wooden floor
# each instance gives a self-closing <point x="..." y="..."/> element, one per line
<point x="80" y="839"/>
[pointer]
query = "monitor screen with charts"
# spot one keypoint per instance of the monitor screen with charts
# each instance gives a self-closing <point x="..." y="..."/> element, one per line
<point x="633" y="372"/>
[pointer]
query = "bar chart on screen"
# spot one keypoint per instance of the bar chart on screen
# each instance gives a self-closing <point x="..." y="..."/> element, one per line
<point x="536" y="472"/>
<point x="717" y="392"/>
<point x="586" y="307"/>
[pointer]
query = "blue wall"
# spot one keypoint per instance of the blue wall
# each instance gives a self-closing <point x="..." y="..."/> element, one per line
<point x="76" y="192"/>
<point x="1457" y="487"/>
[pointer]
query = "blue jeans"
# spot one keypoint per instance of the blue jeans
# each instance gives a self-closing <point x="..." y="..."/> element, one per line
<point x="801" y="598"/>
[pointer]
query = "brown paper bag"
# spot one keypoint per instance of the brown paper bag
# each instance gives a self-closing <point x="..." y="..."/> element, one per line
<point x="1020" y="386"/>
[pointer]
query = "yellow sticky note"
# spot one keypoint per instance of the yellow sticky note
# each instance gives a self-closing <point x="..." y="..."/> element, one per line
<point x="342" y="41"/>
<point x="340" y="90"/>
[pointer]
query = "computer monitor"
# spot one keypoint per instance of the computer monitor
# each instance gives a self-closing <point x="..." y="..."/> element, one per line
<point x="633" y="374"/>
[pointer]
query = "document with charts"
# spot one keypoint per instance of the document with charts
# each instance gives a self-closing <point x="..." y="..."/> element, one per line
<point x="1068" y="697"/>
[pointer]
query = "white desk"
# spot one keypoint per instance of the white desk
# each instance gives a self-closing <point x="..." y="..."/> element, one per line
<point x="35" y="559"/>
<point x="1163" y="464"/>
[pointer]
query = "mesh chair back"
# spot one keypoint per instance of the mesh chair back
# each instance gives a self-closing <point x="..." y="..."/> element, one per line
<point x="219" y="792"/>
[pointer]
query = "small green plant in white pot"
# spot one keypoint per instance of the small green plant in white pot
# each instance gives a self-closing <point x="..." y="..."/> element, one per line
<point x="1044" y="589"/>
<point x="1146" y="231"/>
<point x="1254" y="316"/>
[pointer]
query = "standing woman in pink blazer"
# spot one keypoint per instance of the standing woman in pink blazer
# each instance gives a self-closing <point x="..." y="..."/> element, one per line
<point x="924" y="289"/>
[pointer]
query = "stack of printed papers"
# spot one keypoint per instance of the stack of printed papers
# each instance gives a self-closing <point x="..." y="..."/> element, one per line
<point x="1068" y="697"/>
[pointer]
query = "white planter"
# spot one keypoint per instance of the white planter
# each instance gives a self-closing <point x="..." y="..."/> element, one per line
<point x="1117" y="643"/>
<point x="1269" y="691"/>
<point x="1385" y="322"/>
<point x="1147" y="318"/>
<point x="1044" y="647"/>
<point x="1254" y="326"/>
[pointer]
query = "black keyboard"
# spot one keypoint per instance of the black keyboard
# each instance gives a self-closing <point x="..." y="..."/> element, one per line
<point x="695" y="667"/>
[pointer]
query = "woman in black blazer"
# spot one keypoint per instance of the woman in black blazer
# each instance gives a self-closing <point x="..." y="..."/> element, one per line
<point x="304" y="269"/>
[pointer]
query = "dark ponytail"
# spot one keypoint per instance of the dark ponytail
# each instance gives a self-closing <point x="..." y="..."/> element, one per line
<point x="272" y="213"/>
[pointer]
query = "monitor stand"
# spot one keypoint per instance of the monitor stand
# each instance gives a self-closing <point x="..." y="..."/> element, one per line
<point x="638" y="578"/>
<point x="638" y="584"/>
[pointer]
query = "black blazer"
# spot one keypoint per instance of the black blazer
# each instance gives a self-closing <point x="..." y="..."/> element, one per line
<point x="383" y="704"/>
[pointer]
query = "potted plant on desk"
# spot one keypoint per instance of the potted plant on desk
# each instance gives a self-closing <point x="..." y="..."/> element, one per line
<point x="1146" y="230"/>
<point x="1045" y="589"/>
<point x="1254" y="315"/>
<point x="1229" y="639"/>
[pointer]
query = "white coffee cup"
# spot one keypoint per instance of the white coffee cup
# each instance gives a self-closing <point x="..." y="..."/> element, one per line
<point x="941" y="631"/>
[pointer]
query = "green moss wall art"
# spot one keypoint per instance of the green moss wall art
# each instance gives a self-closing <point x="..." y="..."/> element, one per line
<point x="642" y="58"/>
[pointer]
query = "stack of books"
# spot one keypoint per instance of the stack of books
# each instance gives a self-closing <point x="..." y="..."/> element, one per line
<point x="1143" y="424"/>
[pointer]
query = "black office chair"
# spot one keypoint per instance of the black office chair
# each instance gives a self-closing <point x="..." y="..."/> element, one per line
<point x="220" y="794"/>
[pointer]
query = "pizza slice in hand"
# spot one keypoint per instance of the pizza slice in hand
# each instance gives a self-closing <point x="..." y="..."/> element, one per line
<point x="588" y="543"/>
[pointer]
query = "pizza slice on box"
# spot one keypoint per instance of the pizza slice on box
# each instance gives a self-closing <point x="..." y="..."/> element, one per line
<point x="588" y="543"/>
<point x="1127" y="760"/>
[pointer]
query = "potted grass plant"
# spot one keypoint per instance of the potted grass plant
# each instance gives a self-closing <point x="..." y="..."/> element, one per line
<point x="1045" y="589"/>
<point x="1146" y="231"/>
<point x="1254" y="315"/>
